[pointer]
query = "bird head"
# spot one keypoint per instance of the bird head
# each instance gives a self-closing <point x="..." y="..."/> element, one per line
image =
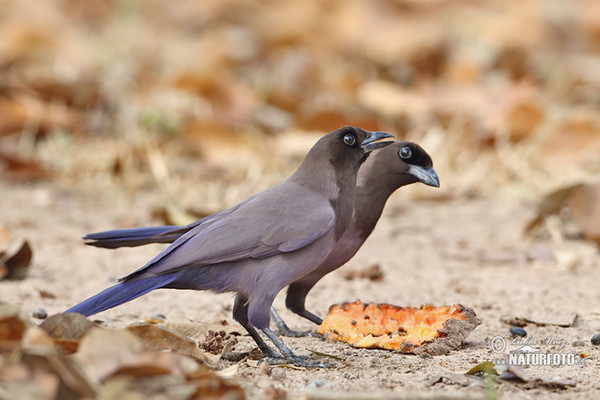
<point x="407" y="162"/>
<point x="333" y="162"/>
<point x="348" y="147"/>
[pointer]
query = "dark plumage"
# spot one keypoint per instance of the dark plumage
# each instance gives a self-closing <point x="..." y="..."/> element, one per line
<point x="386" y="170"/>
<point x="259" y="246"/>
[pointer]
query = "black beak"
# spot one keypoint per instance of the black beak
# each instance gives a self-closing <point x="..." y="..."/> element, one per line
<point x="368" y="144"/>
<point x="425" y="175"/>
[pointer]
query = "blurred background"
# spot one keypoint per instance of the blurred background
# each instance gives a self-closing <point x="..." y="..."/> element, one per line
<point x="207" y="102"/>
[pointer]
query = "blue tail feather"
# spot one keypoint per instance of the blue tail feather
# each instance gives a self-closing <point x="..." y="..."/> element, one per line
<point x="132" y="237"/>
<point x="121" y="293"/>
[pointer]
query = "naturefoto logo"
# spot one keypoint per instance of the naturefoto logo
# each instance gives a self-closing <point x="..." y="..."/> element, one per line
<point x="529" y="353"/>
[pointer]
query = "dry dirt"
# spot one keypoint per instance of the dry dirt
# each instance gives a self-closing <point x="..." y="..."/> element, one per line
<point x="466" y="249"/>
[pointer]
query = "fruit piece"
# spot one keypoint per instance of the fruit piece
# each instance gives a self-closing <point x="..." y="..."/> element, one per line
<point x="407" y="329"/>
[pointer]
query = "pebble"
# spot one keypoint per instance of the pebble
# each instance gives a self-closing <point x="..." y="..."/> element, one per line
<point x="278" y="374"/>
<point x="518" y="331"/>
<point x="315" y="383"/>
<point x="40" y="313"/>
<point x="596" y="339"/>
<point x="263" y="382"/>
<point x="264" y="368"/>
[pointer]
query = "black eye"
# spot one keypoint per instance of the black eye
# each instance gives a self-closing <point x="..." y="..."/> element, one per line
<point x="349" y="140"/>
<point x="405" y="152"/>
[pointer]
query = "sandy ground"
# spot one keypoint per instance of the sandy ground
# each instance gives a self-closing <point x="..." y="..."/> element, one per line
<point x="470" y="251"/>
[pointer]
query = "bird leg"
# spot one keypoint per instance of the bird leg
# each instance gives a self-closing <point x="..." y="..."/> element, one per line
<point x="240" y="314"/>
<point x="288" y="356"/>
<point x="296" y="297"/>
<point x="284" y="330"/>
<point x="310" y="316"/>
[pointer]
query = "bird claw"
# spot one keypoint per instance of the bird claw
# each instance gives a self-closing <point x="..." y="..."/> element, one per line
<point x="299" y="361"/>
<point x="292" y="333"/>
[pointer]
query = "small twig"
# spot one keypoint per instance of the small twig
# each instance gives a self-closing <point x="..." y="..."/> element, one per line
<point x="320" y="353"/>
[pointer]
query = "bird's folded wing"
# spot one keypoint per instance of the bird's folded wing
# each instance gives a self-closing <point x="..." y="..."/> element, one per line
<point x="265" y="225"/>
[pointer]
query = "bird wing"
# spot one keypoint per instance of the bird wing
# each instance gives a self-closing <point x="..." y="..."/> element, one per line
<point x="279" y="220"/>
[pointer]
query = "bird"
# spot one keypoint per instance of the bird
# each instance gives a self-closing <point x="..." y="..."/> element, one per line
<point x="386" y="170"/>
<point x="261" y="245"/>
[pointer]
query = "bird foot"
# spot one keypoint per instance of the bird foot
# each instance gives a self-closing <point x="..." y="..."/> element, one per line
<point x="287" y="332"/>
<point x="299" y="361"/>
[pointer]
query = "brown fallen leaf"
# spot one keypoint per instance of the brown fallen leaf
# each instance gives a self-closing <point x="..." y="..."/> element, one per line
<point x="36" y="336"/>
<point x="161" y="338"/>
<point x="211" y="386"/>
<point x="198" y="330"/>
<point x="584" y="203"/>
<point x="45" y="294"/>
<point x="107" y="352"/>
<point x="574" y="140"/>
<point x="522" y="117"/>
<point x="67" y="326"/>
<point x="583" y="200"/>
<point x="514" y="372"/>
<point x="273" y="393"/>
<point x="550" y="204"/>
<point x="103" y="351"/>
<point x="24" y="110"/>
<point x="16" y="266"/>
<point x="67" y="329"/>
<point x="4" y="241"/>
<point x="73" y="382"/>
<point x="372" y="273"/>
<point x="35" y="363"/>
<point x="21" y="170"/>
<point x="12" y="326"/>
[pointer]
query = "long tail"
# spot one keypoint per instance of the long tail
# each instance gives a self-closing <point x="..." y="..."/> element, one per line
<point x="133" y="237"/>
<point x="121" y="293"/>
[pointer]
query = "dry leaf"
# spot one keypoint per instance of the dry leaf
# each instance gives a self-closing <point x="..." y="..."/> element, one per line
<point x="550" y="204"/>
<point x="105" y="353"/>
<point x="198" y="330"/>
<point x="67" y="326"/>
<point x="486" y="367"/>
<point x="372" y="273"/>
<point x="74" y="383"/>
<point x="211" y="386"/>
<point x="583" y="200"/>
<point x="45" y="294"/>
<point x="12" y="325"/>
<point x="584" y="204"/>
<point x="514" y="372"/>
<point x="36" y="336"/>
<point x="15" y="267"/>
<point x="573" y="140"/>
<point x="162" y="338"/>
